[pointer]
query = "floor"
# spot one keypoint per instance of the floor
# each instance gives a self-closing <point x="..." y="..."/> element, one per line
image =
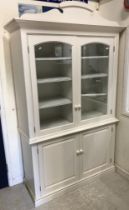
<point x="108" y="192"/>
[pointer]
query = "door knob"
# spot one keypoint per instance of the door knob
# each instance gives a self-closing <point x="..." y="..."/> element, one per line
<point x="78" y="152"/>
<point x="79" y="107"/>
<point x="76" y="108"/>
<point x="81" y="151"/>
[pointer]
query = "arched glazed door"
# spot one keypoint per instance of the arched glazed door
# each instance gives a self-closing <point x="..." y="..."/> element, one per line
<point x="96" y="75"/>
<point x="52" y="69"/>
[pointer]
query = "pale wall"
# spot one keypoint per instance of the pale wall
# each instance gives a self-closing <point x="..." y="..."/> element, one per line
<point x="8" y="10"/>
<point x="114" y="10"/>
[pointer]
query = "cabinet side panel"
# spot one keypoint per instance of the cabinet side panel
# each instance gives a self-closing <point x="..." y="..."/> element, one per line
<point x="19" y="82"/>
<point x="28" y="165"/>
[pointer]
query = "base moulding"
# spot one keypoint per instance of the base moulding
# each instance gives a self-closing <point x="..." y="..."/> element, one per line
<point x="60" y="192"/>
<point x="122" y="172"/>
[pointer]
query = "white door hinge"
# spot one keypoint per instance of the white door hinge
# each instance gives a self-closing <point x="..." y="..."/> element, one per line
<point x="40" y="188"/>
<point x="110" y="111"/>
<point x="37" y="150"/>
<point x="34" y="129"/>
<point x="114" y="49"/>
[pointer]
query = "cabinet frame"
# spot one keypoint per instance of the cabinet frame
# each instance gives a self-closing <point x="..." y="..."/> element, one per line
<point x="112" y="41"/>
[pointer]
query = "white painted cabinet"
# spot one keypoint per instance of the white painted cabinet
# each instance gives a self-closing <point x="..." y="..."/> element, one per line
<point x="65" y="78"/>
<point x="67" y="160"/>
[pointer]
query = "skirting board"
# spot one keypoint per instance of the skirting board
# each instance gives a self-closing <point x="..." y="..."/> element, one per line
<point x="29" y="190"/>
<point x="74" y="186"/>
<point x="122" y="171"/>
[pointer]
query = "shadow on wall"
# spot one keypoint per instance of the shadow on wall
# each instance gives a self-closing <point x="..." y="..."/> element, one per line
<point x="116" y="10"/>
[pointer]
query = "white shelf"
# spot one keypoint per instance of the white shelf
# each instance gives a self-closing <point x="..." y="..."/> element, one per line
<point x="54" y="103"/>
<point x="55" y="79"/>
<point x="91" y="114"/>
<point x="95" y="57"/>
<point x="53" y="58"/>
<point x="51" y="123"/>
<point x="90" y="76"/>
<point x="94" y="100"/>
<point x="94" y="94"/>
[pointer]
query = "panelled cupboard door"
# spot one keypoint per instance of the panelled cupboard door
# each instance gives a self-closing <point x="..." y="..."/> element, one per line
<point x="53" y="71"/>
<point x="58" y="163"/>
<point x="96" y="85"/>
<point x="96" y="149"/>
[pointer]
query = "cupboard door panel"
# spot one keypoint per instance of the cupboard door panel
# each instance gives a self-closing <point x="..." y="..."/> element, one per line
<point x="58" y="164"/>
<point x="96" y="150"/>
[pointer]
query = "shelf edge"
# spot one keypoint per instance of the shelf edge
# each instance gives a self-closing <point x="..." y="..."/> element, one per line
<point x="73" y="131"/>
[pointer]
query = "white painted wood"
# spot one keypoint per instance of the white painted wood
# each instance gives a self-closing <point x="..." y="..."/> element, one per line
<point x="95" y="148"/>
<point x="52" y="59"/>
<point x="94" y="57"/>
<point x="52" y="80"/>
<point x="28" y="84"/>
<point x="59" y="125"/>
<point x="54" y="160"/>
<point x="90" y="126"/>
<point x="27" y="163"/>
<point x="36" y="171"/>
<point x="125" y="104"/>
<point x="74" y="186"/>
<point x="90" y="150"/>
<point x="90" y="76"/>
<point x="94" y="94"/>
<point x="19" y="82"/>
<point x="85" y="20"/>
<point x="87" y="154"/>
<point x="54" y="103"/>
<point x="111" y="75"/>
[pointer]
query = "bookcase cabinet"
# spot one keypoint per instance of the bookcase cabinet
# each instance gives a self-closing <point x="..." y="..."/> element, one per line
<point x="65" y="76"/>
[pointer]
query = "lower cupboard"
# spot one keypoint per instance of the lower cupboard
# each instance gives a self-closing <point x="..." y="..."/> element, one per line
<point x="60" y="163"/>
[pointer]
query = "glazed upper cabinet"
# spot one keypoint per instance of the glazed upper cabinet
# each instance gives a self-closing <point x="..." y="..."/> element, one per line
<point x="71" y="80"/>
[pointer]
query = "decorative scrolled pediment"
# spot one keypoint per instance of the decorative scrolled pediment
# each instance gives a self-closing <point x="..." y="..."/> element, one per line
<point x="75" y="16"/>
<point x="73" y="12"/>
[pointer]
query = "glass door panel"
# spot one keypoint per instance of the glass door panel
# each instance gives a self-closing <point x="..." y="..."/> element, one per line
<point x="54" y="80"/>
<point x="94" y="80"/>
